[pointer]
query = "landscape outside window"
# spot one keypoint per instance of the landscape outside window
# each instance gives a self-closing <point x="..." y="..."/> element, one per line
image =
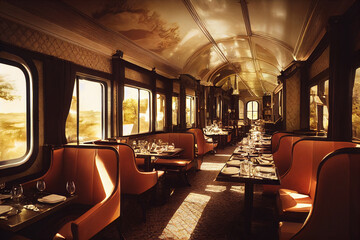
<point x="356" y="106"/>
<point x="252" y="110"/>
<point x="13" y="115"/>
<point x="160" y="112"/>
<point x="319" y="111"/>
<point x="136" y="111"/>
<point x="90" y="101"/>
<point x="241" y="109"/>
<point x="175" y="110"/>
<point x="190" y="111"/>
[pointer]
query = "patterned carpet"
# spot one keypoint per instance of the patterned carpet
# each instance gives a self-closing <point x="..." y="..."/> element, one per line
<point x="205" y="210"/>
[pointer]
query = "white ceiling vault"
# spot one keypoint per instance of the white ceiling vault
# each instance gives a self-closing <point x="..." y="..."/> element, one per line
<point x="219" y="42"/>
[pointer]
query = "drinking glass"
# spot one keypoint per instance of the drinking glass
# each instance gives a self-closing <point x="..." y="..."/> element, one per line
<point x="40" y="185"/>
<point x="17" y="192"/>
<point x="70" y="187"/>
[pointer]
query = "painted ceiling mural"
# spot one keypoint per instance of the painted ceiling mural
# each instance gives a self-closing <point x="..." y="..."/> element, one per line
<point x="254" y="39"/>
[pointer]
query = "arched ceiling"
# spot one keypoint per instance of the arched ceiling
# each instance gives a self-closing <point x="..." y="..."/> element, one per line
<point x="248" y="41"/>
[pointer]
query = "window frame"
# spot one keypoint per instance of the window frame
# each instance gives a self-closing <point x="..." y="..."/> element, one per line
<point x="258" y="110"/>
<point x="32" y="135"/>
<point x="150" y="110"/>
<point x="104" y="98"/>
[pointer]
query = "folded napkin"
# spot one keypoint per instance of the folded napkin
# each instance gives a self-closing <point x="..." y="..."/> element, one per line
<point x="52" y="198"/>
<point x="5" y="209"/>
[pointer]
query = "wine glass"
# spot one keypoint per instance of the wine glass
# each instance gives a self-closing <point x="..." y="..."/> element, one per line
<point x="40" y="185"/>
<point x="70" y="187"/>
<point x="17" y="192"/>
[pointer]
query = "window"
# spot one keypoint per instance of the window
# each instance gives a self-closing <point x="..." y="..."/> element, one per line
<point x="160" y="112"/>
<point x="85" y="121"/>
<point x="356" y="106"/>
<point x="218" y="108"/>
<point x="136" y="111"/>
<point x="241" y="109"/>
<point x="319" y="111"/>
<point x="16" y="135"/>
<point x="190" y="111"/>
<point x="252" y="110"/>
<point x="175" y="111"/>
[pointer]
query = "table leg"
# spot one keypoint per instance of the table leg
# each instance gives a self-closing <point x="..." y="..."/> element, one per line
<point x="248" y="206"/>
<point x="147" y="163"/>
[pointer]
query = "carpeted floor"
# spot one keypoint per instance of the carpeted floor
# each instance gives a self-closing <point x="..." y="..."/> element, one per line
<point x="205" y="210"/>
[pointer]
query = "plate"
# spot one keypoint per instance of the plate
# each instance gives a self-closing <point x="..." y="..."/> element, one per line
<point x="230" y="170"/>
<point x="264" y="169"/>
<point x="52" y="198"/>
<point x="5" y="209"/>
<point x="236" y="157"/>
<point x="233" y="163"/>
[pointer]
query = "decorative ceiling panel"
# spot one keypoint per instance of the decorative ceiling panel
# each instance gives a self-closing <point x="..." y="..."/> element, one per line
<point x="163" y="27"/>
<point x="255" y="38"/>
<point x="268" y="68"/>
<point x="222" y="18"/>
<point x="281" y="19"/>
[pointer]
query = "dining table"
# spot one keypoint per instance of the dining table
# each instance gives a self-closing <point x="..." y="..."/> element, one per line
<point x="250" y="169"/>
<point x="30" y="208"/>
<point x="151" y="156"/>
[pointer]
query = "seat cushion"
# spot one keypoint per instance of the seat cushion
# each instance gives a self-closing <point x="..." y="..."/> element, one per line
<point x="179" y="164"/>
<point x="294" y="206"/>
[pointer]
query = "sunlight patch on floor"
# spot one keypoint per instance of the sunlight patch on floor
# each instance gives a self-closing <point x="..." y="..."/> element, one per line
<point x="222" y="155"/>
<point x="240" y="189"/>
<point x="208" y="166"/>
<point x="215" y="188"/>
<point x="186" y="217"/>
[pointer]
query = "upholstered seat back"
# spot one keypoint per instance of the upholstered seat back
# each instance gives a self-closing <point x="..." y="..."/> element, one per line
<point x="336" y="211"/>
<point x="275" y="138"/>
<point x="306" y="157"/>
<point x="132" y="180"/>
<point x="94" y="171"/>
<point x="282" y="157"/>
<point x="202" y="145"/>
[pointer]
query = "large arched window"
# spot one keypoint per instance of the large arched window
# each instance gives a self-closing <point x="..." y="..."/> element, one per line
<point x="16" y="114"/>
<point x="252" y="109"/>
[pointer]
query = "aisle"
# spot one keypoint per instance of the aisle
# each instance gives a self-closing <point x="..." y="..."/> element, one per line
<point x="206" y="210"/>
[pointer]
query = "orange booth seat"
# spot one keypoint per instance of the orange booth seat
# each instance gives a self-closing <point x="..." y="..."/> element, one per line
<point x="203" y="146"/>
<point x="275" y="138"/>
<point x="282" y="159"/>
<point x="185" y="160"/>
<point x="335" y="213"/>
<point x="95" y="171"/>
<point x="133" y="181"/>
<point x="297" y="190"/>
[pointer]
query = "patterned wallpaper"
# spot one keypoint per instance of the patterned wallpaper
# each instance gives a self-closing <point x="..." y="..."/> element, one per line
<point x="293" y="102"/>
<point x="320" y="64"/>
<point x="19" y="35"/>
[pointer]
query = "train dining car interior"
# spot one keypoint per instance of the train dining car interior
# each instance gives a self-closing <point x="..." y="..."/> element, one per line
<point x="179" y="119"/>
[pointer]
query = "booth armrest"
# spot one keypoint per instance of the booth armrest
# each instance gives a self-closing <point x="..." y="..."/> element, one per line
<point x="97" y="218"/>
